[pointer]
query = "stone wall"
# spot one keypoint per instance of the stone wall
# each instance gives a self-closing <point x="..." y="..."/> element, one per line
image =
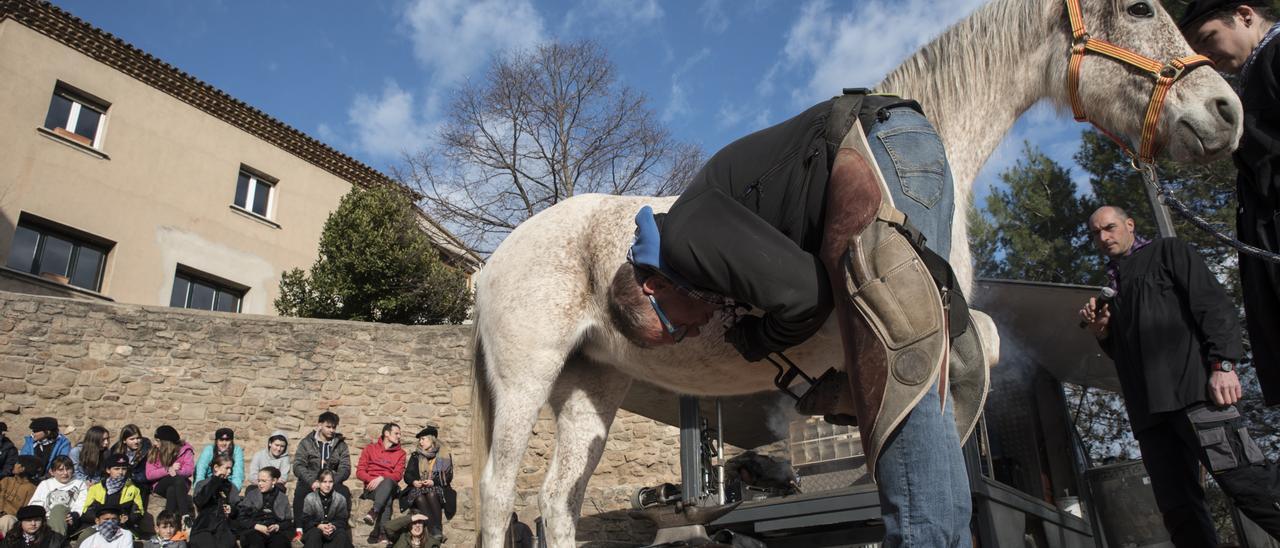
<point x="92" y="363"/>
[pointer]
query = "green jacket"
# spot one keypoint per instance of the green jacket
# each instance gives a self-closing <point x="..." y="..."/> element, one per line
<point x="398" y="529"/>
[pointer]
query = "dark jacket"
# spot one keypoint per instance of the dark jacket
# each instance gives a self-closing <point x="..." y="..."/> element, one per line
<point x="749" y="227"/>
<point x="50" y="540"/>
<point x="308" y="461"/>
<point x="1258" y="217"/>
<point x="441" y="475"/>
<point x="208" y="497"/>
<point x="1169" y="320"/>
<point x="137" y="470"/>
<point x="313" y="512"/>
<point x="8" y="456"/>
<point x="252" y="511"/>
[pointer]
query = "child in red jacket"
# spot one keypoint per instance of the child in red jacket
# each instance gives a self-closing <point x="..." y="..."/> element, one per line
<point x="381" y="467"/>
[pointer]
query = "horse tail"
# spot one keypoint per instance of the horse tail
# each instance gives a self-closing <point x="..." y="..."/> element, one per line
<point x="481" y="417"/>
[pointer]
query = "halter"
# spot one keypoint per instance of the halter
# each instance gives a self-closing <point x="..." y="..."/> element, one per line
<point x="1165" y="75"/>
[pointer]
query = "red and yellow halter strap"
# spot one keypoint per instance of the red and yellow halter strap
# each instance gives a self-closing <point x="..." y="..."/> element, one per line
<point x="1165" y="75"/>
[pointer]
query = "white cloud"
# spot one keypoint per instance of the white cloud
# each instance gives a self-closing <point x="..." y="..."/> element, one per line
<point x="611" y="19"/>
<point x="453" y="38"/>
<point x="678" y="104"/>
<point x="713" y="16"/>
<point x="829" y="48"/>
<point x="326" y="134"/>
<point x="730" y="115"/>
<point x="388" y="124"/>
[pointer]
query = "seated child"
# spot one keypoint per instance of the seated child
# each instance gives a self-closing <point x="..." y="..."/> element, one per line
<point x="167" y="533"/>
<point x="32" y="531"/>
<point x="108" y="532"/>
<point x="62" y="496"/>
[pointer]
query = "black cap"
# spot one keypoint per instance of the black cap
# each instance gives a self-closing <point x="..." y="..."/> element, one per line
<point x="1199" y="9"/>
<point x="224" y="434"/>
<point x="116" y="460"/>
<point x="169" y="434"/>
<point x="106" y="509"/>
<point x="44" y="424"/>
<point x="30" y="512"/>
<point x="430" y="430"/>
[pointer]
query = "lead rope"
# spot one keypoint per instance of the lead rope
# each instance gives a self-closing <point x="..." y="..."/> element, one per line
<point x="1166" y="197"/>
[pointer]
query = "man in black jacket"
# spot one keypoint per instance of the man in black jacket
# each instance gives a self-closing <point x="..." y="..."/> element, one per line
<point x="796" y="220"/>
<point x="1172" y="332"/>
<point x="1238" y="35"/>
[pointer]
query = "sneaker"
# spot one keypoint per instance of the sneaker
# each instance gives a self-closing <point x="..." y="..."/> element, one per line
<point x="369" y="519"/>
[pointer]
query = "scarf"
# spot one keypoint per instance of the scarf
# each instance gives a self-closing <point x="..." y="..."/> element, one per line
<point x="44" y="450"/>
<point x="1239" y="81"/>
<point x="110" y="530"/>
<point x="1113" y="267"/>
<point x="114" y="485"/>
<point x="29" y="539"/>
<point x="132" y="455"/>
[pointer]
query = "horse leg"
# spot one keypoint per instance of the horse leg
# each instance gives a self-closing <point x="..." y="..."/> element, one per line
<point x="585" y="399"/>
<point x="520" y="384"/>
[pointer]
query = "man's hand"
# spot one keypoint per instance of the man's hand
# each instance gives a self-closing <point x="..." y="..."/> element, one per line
<point x="374" y="484"/>
<point x="273" y="528"/>
<point x="1224" y="388"/>
<point x="262" y="529"/>
<point x="1097" y="317"/>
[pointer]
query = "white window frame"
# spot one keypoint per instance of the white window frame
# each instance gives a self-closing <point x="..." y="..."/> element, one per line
<point x="78" y="102"/>
<point x="251" y="192"/>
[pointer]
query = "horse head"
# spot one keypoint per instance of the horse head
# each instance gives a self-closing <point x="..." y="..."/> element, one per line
<point x="1125" y="49"/>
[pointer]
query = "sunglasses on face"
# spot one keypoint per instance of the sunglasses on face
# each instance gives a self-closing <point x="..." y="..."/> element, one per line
<point x="677" y="333"/>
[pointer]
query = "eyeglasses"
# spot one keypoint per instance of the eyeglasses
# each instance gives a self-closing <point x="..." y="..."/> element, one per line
<point x="677" y="333"/>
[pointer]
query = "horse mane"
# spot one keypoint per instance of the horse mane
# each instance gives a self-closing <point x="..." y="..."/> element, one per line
<point x="973" y="95"/>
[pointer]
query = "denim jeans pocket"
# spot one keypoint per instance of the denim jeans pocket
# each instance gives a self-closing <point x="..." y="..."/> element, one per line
<point x="919" y="161"/>
<point x="1217" y="449"/>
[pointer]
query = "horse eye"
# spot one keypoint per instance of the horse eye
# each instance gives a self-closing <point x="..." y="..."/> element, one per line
<point x="1141" y="9"/>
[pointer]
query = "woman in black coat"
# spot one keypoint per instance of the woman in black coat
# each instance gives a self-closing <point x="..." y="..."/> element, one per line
<point x="428" y="474"/>
<point x="215" y="501"/>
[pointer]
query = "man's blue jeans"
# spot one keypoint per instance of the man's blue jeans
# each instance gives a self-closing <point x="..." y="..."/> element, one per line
<point x="924" y="487"/>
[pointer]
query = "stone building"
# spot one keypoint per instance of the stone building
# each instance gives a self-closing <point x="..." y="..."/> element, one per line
<point x="127" y="179"/>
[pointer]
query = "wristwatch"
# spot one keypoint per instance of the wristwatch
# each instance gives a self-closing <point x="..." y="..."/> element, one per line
<point x="1225" y="366"/>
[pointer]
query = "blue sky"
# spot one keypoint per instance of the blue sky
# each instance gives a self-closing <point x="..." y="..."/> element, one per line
<point x="371" y="78"/>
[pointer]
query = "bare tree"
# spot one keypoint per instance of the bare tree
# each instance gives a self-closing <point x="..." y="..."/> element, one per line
<point x="543" y="125"/>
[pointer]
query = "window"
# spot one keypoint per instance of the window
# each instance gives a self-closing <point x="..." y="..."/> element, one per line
<point x="254" y="193"/>
<point x="74" y="116"/>
<point x="203" y="292"/>
<point x="44" y="250"/>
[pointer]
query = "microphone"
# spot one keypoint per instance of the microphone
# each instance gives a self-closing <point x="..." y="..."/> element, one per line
<point x="1104" y="298"/>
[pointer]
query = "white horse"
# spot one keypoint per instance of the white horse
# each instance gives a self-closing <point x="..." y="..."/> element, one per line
<point x="543" y="326"/>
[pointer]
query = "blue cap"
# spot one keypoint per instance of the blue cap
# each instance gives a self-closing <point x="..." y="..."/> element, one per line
<point x="646" y="251"/>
